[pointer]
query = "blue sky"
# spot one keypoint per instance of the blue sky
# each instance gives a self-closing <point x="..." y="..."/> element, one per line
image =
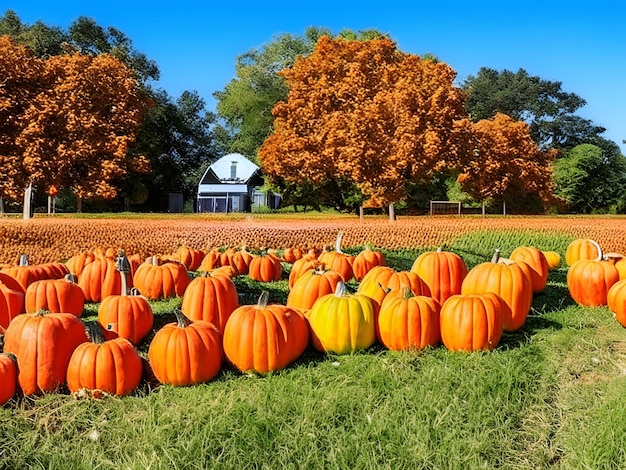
<point x="195" y="43"/>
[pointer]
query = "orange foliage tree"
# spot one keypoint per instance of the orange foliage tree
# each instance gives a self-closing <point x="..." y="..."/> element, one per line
<point x="20" y="76"/>
<point x="365" y="112"/>
<point x="81" y="124"/>
<point x="502" y="159"/>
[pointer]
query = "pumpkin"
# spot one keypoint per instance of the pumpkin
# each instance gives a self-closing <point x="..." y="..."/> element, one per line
<point x="226" y="256"/>
<point x="292" y="254"/>
<point x="311" y="286"/>
<point x="508" y="279"/>
<point x="300" y="267"/>
<point x="185" y="352"/>
<point x="343" y="323"/>
<point x="442" y="271"/>
<point x="210" y="261"/>
<point x="100" y="279"/>
<point x="210" y="298"/>
<point x="616" y="301"/>
<point x="240" y="261"/>
<point x="112" y="366"/>
<point x="161" y="281"/>
<point x="43" y="343"/>
<point x="553" y="258"/>
<point x="263" y="338"/>
<point x="338" y="260"/>
<point x="11" y="300"/>
<point x="381" y="279"/>
<point x="472" y="322"/>
<point x="26" y="274"/>
<point x="265" y="268"/>
<point x="8" y="377"/>
<point x="191" y="258"/>
<point x="538" y="263"/>
<point x="75" y="264"/>
<point x="55" y="295"/>
<point x="365" y="261"/>
<point x="408" y="322"/>
<point x="589" y="280"/>
<point x="581" y="248"/>
<point x="125" y="316"/>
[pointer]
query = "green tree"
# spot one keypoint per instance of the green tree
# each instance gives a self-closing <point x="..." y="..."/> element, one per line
<point x="177" y="137"/>
<point x="542" y="104"/>
<point x="245" y="105"/>
<point x="591" y="179"/>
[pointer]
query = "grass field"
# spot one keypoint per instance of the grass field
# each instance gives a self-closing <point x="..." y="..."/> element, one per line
<point x="550" y="396"/>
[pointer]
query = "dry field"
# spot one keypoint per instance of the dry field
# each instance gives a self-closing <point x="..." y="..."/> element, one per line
<point x="47" y="239"/>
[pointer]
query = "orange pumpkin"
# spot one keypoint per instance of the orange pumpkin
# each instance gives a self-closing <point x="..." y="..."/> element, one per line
<point x="191" y="258"/>
<point x="582" y="248"/>
<point x="265" y="268"/>
<point x="538" y="263"/>
<point x="381" y="279"/>
<point x="161" y="281"/>
<point x="408" y="322"/>
<point x="77" y="263"/>
<point x="186" y="353"/>
<point x="292" y="254"/>
<point x="508" y="279"/>
<point x="240" y="261"/>
<point x="311" y="286"/>
<point x="472" y="322"/>
<point x="112" y="366"/>
<point x="210" y="298"/>
<point x="43" y="344"/>
<point x="365" y="261"/>
<point x="263" y="338"/>
<point x="26" y="274"/>
<point x="589" y="281"/>
<point x="300" y="267"/>
<point x="55" y="295"/>
<point x="442" y="271"/>
<point x="11" y="300"/>
<point x="210" y="261"/>
<point x="8" y="377"/>
<point x="616" y="301"/>
<point x="338" y="260"/>
<point x="100" y="279"/>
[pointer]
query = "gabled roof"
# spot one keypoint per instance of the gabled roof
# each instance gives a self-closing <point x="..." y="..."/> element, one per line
<point x="221" y="171"/>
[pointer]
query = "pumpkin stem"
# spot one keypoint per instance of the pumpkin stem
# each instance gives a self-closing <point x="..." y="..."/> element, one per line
<point x="338" y="242"/>
<point x="263" y="299"/>
<point x="597" y="245"/>
<point x="12" y="356"/>
<point x="407" y="293"/>
<point x="123" y="266"/>
<point x="70" y="277"/>
<point x="181" y="319"/>
<point x="496" y="255"/>
<point x="94" y="332"/>
<point x="23" y="260"/>
<point x="341" y="289"/>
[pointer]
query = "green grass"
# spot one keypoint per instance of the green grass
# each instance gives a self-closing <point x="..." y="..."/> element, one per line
<point x="550" y="396"/>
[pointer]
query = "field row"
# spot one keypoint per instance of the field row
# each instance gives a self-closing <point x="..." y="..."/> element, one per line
<point x="47" y="239"/>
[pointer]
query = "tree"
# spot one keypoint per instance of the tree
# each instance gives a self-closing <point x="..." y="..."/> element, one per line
<point x="246" y="102"/>
<point x="80" y="125"/>
<point x="505" y="161"/>
<point x="591" y="179"/>
<point x="366" y="112"/>
<point x="549" y="111"/>
<point x="178" y="138"/>
<point x="21" y="74"/>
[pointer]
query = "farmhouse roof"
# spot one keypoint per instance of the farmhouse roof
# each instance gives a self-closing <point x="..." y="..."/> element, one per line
<point x="231" y="168"/>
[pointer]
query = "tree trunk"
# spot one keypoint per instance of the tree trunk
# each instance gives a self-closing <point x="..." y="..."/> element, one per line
<point x="1" y="206"/>
<point x="28" y="201"/>
<point x="361" y="214"/>
<point x="503" y="207"/>
<point x="392" y="212"/>
<point x="79" y="204"/>
<point x="483" y="209"/>
<point x="49" y="204"/>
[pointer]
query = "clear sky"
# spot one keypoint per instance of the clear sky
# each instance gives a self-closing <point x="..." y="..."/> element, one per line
<point x="195" y="43"/>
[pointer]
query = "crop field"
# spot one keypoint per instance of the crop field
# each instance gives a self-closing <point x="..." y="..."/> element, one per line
<point x="550" y="395"/>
